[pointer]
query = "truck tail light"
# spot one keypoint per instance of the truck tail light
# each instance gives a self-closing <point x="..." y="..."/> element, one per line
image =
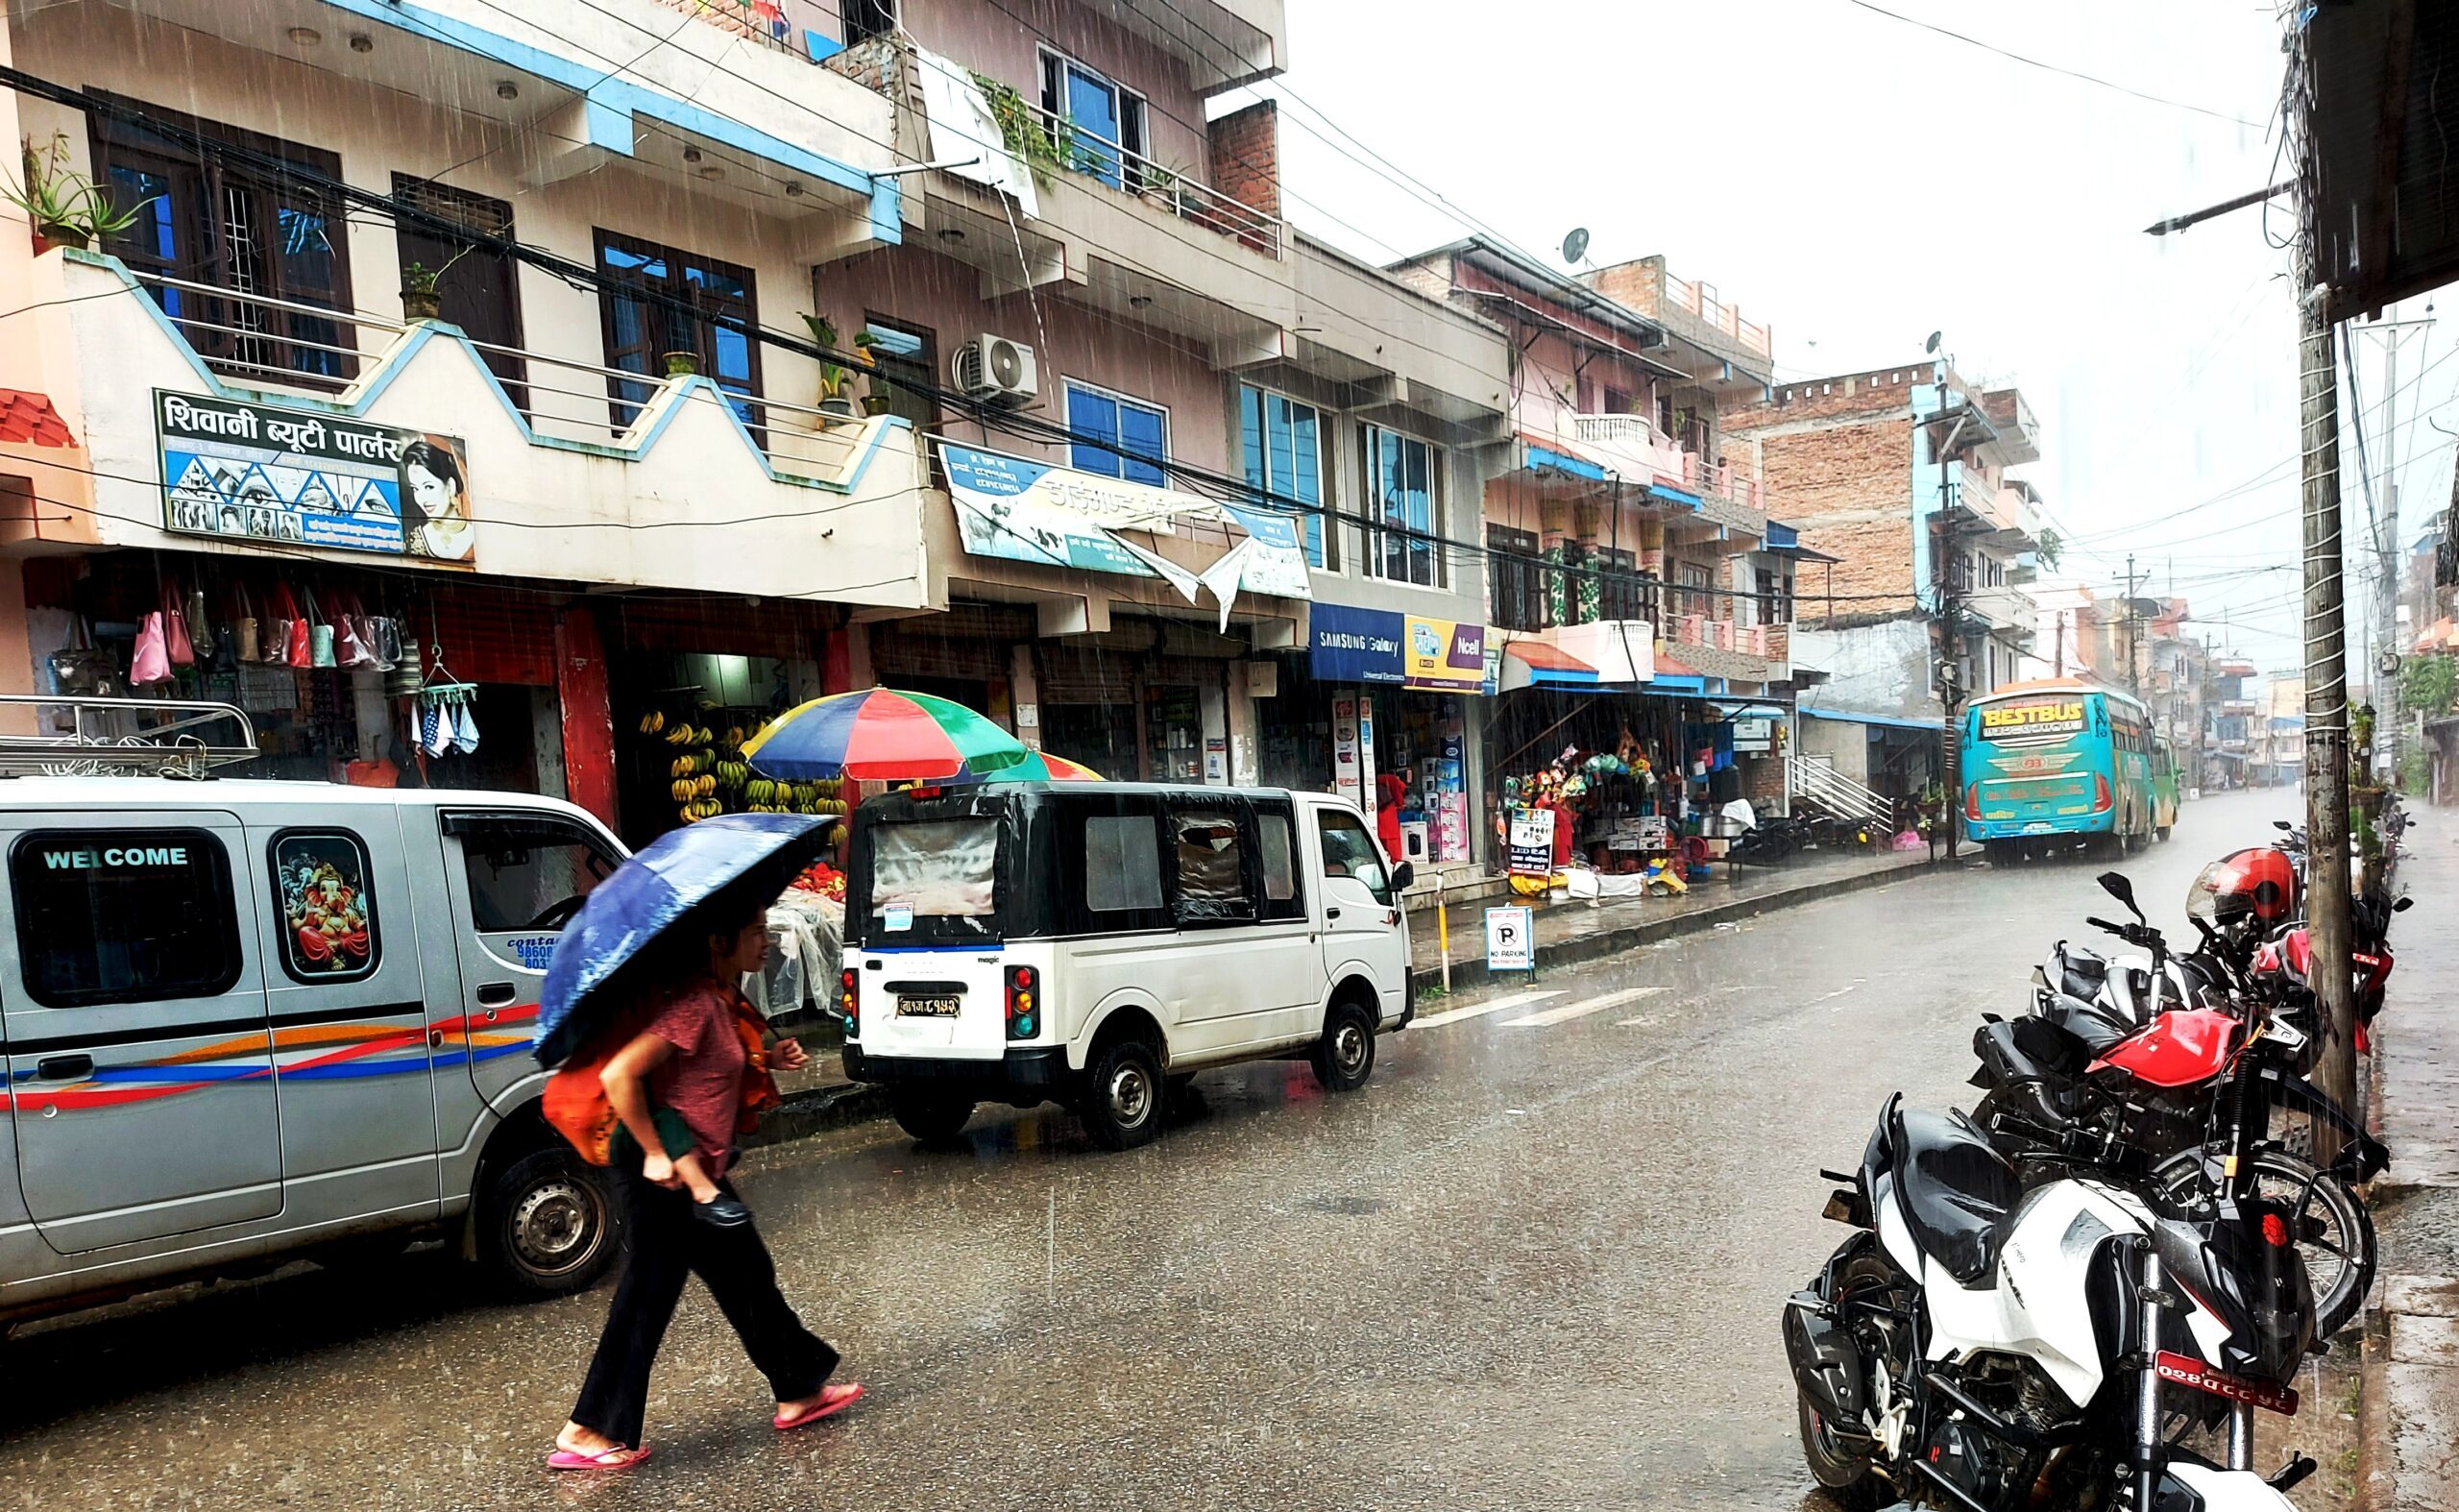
<point x="849" y="1002"/>
<point x="1024" y="1002"/>
<point x="2102" y="799"/>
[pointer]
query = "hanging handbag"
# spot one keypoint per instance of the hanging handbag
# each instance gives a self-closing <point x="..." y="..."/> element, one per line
<point x="246" y="643"/>
<point x="293" y="650"/>
<point x="151" y="666"/>
<point x="320" y="637"/>
<point x="84" y="670"/>
<point x="199" y="623"/>
<point x="279" y="625"/>
<point x="388" y="642"/>
<point x="176" y="645"/>
<point x="223" y="659"/>
<point x="350" y="648"/>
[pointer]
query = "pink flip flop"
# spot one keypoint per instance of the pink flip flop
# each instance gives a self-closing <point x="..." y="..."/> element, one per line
<point x="832" y="1400"/>
<point x="615" y="1458"/>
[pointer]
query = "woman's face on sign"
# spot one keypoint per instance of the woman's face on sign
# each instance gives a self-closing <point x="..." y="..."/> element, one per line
<point x="435" y="497"/>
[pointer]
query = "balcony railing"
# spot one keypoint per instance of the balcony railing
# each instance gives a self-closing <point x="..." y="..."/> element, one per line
<point x="1700" y="301"/>
<point x="1771" y="641"/>
<point x="1189" y="198"/>
<point x="762" y="21"/>
<point x="1639" y="440"/>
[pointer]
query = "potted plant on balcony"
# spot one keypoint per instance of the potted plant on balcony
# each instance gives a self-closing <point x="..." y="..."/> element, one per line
<point x="66" y="208"/>
<point x="421" y="298"/>
<point x="837" y="379"/>
<point x="682" y="364"/>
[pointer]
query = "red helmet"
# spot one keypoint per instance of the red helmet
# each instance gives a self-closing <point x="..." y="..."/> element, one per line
<point x="2257" y="884"/>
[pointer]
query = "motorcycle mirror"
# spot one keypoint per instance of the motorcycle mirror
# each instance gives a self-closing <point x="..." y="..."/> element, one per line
<point x="2281" y="824"/>
<point x="2407" y="902"/>
<point x="2115" y="884"/>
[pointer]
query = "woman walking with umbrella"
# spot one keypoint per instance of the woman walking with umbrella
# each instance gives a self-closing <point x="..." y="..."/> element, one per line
<point x="650" y="967"/>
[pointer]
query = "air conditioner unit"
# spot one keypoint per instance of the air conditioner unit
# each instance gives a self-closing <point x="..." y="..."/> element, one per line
<point x="997" y="368"/>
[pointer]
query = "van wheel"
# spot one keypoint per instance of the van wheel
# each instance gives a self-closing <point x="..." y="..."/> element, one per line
<point x="546" y="1225"/>
<point x="1120" y="1104"/>
<point x="1345" y="1056"/>
<point x="931" y="1117"/>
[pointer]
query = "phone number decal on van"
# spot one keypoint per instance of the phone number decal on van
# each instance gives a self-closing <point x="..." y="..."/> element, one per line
<point x="534" y="952"/>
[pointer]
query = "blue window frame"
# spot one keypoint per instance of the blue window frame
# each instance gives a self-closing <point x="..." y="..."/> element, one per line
<point x="1140" y="430"/>
<point x="1400" y="495"/>
<point x="1282" y="441"/>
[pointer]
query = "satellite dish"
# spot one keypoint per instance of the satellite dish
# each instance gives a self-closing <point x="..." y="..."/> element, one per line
<point x="1576" y="245"/>
<point x="1932" y="347"/>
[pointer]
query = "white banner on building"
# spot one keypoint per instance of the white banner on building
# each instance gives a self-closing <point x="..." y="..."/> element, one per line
<point x="963" y="126"/>
<point x="1039" y="512"/>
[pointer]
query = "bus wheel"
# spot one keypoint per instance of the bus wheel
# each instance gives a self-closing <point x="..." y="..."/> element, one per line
<point x="2000" y="852"/>
<point x="2163" y="833"/>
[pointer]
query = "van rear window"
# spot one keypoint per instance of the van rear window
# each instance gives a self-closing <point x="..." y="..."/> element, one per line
<point x="932" y="869"/>
<point x="124" y="916"/>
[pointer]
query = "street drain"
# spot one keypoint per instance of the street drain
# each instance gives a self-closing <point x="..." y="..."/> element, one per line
<point x="1349" y="1207"/>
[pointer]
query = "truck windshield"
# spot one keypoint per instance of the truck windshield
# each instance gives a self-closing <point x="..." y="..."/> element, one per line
<point x="929" y="870"/>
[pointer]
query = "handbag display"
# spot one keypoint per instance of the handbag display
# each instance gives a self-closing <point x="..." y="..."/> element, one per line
<point x="151" y="666"/>
<point x="246" y="643"/>
<point x="350" y="649"/>
<point x="84" y="670"/>
<point x="200" y="622"/>
<point x="286" y="630"/>
<point x="177" y="643"/>
<point x="320" y="638"/>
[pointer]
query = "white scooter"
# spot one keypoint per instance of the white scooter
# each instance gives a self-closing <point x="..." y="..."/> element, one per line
<point x="1973" y="1343"/>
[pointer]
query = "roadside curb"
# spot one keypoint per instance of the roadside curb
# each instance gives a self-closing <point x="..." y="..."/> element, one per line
<point x="1466" y="974"/>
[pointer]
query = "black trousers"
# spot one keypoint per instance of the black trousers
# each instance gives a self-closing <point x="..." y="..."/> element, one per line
<point x="668" y="1243"/>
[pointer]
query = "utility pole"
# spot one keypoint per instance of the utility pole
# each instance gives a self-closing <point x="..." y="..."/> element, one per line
<point x="2325" y="627"/>
<point x="2061" y="643"/>
<point x="1947" y="568"/>
<point x="2133" y="634"/>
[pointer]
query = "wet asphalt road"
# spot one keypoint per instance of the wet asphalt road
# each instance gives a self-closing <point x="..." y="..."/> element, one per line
<point x="1528" y="1266"/>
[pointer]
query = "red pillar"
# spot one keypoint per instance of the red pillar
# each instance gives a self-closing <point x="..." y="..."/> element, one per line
<point x="589" y="717"/>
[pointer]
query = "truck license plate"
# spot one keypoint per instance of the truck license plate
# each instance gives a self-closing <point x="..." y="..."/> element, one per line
<point x="927" y="1006"/>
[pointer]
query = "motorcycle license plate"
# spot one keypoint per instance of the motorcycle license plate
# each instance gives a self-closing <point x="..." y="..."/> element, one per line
<point x="928" y="1007"/>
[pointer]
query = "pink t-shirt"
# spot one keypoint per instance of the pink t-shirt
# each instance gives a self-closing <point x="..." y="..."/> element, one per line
<point x="702" y="1081"/>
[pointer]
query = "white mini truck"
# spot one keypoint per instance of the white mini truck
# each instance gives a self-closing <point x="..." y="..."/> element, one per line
<point x="1097" y="943"/>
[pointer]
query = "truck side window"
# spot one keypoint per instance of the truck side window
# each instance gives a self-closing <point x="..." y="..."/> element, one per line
<point x="528" y="874"/>
<point x="1350" y="851"/>
<point x="327" y="913"/>
<point x="1212" y="866"/>
<point x="1121" y="863"/>
<point x="124" y="916"/>
<point x="1276" y="848"/>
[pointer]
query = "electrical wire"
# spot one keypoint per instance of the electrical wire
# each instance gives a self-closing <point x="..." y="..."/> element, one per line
<point x="2049" y="68"/>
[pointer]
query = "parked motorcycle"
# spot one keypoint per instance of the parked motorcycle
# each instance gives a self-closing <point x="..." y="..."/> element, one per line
<point x="1983" y="1345"/>
<point x="2078" y="1087"/>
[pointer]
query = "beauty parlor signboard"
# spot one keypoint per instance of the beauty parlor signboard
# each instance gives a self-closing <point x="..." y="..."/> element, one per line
<point x="263" y="472"/>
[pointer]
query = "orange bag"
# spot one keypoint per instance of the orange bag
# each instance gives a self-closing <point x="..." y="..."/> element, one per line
<point x="575" y="1102"/>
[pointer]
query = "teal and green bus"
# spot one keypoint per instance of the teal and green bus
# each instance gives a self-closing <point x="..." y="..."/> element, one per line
<point x="2055" y="763"/>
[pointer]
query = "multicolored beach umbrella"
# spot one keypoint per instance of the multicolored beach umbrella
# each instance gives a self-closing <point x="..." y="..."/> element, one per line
<point x="882" y="736"/>
<point x="1043" y="767"/>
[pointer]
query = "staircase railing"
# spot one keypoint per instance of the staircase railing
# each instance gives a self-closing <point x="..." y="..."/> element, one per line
<point x="1824" y="787"/>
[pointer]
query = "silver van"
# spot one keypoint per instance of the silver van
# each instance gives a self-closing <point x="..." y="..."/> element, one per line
<point x="250" y="1021"/>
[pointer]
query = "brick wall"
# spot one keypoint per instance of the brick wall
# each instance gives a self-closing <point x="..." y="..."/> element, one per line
<point x="872" y="63"/>
<point x="1244" y="147"/>
<point x="757" y="19"/>
<point x="1847" y="487"/>
<point x="1632" y="285"/>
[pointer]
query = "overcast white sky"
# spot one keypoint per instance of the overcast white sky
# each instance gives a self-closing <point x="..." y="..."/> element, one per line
<point x="1857" y="182"/>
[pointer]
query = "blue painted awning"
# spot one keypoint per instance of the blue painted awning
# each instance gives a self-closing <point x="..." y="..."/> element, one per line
<point x="1675" y="683"/>
<point x="1890" y="721"/>
<point x="1546" y="459"/>
<point x="1675" y="496"/>
<point x="1782" y="538"/>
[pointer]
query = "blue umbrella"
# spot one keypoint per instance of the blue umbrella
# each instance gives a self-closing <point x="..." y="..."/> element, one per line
<point x="713" y="872"/>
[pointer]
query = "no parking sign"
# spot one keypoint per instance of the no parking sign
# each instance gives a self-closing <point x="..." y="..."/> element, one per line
<point x="1511" y="941"/>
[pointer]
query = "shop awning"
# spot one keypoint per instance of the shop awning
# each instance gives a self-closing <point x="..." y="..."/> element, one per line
<point x="1540" y="664"/>
<point x="1681" y="678"/>
<point x="1675" y="496"/>
<point x="1890" y="721"/>
<point x="1552" y="457"/>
